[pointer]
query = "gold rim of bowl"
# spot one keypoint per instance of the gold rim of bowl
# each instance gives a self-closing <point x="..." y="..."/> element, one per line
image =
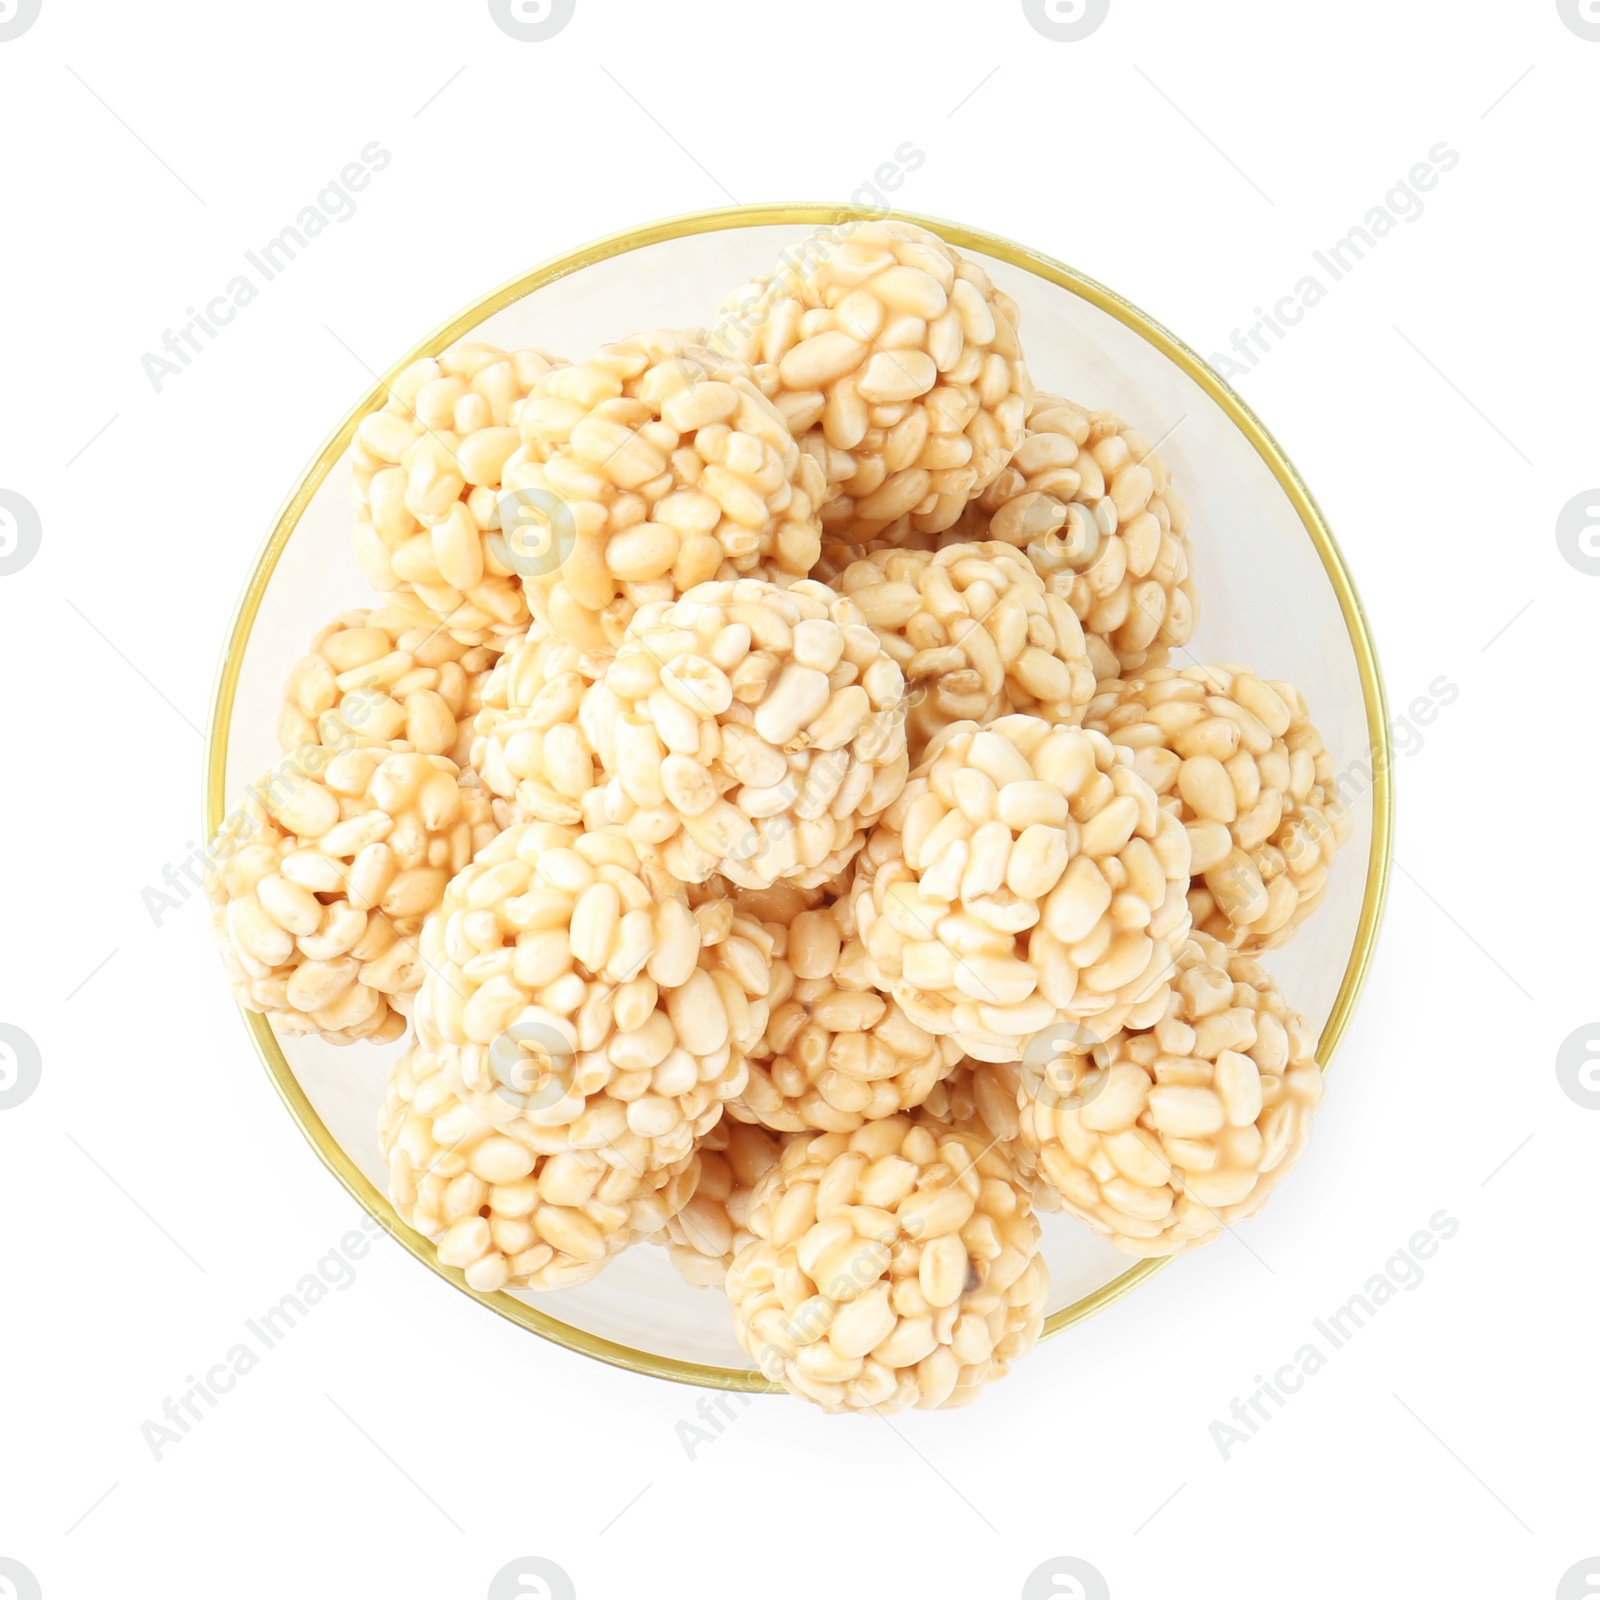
<point x="811" y="214"/>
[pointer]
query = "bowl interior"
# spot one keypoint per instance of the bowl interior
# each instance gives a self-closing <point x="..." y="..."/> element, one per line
<point x="1265" y="598"/>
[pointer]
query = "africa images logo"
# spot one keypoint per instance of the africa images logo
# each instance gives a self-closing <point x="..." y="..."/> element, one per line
<point x="531" y="21"/>
<point x="20" y="532"/>
<point x="16" y="17"/>
<point x="531" y="1578"/>
<point x="1065" y="21"/>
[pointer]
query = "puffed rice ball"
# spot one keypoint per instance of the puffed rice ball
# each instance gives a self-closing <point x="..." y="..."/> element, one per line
<point x="984" y="1094"/>
<point x="895" y="361"/>
<point x="568" y="991"/>
<point x="751" y="731"/>
<point x="1027" y="875"/>
<point x="371" y="677"/>
<point x="1091" y="502"/>
<point x="320" y="884"/>
<point x="427" y="485"/>
<point x="528" y="743"/>
<point x="672" y="468"/>
<point x="713" y="1226"/>
<point x="1239" y="761"/>
<point x="894" y="1266"/>
<point x="499" y="1204"/>
<point x="975" y="634"/>
<point x="1167" y="1135"/>
<point x="836" y="1052"/>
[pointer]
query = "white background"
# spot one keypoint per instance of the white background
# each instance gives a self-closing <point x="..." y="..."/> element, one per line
<point x="1440" y="402"/>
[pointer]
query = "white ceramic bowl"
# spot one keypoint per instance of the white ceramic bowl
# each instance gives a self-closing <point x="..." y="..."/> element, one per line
<point x="1273" y="592"/>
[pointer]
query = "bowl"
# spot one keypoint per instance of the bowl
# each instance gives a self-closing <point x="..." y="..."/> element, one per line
<point x="1273" y="592"/>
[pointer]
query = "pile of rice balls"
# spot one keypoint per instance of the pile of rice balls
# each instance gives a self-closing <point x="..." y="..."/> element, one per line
<point x="766" y="795"/>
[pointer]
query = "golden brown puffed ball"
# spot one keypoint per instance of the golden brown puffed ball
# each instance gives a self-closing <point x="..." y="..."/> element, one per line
<point x="426" y="478"/>
<point x="570" y="995"/>
<point x="836" y="1052"/>
<point x="374" y="678"/>
<point x="1091" y="502"/>
<point x="321" y="878"/>
<point x="750" y="731"/>
<point x="890" y="1267"/>
<point x="1165" y="1135"/>
<point x="1237" y="759"/>
<point x="1025" y="876"/>
<point x="975" y="633"/>
<point x="656" y="465"/>
<point x="501" y="1206"/>
<point x="895" y="361"/>
<point x="528" y="742"/>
